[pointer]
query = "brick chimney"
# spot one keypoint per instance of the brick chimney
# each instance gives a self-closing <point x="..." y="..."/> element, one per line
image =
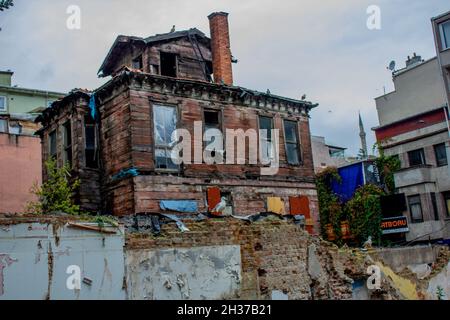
<point x="220" y="45"/>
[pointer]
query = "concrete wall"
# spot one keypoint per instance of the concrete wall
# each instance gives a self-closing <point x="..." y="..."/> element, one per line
<point x="321" y="155"/>
<point x="400" y="258"/>
<point x="416" y="90"/>
<point x="34" y="258"/>
<point x="184" y="273"/>
<point x="20" y="168"/>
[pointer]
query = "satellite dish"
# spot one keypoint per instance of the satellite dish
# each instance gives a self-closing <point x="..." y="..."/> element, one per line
<point x="392" y="65"/>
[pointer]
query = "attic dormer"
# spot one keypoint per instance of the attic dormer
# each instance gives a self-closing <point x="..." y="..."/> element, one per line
<point x="180" y="54"/>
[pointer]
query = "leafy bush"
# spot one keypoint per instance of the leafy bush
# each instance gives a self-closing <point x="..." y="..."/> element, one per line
<point x="55" y="195"/>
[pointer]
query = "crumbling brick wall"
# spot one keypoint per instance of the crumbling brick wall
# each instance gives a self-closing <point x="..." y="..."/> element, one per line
<point x="275" y="255"/>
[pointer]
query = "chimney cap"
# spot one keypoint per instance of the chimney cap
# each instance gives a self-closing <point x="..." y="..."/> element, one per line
<point x="220" y="13"/>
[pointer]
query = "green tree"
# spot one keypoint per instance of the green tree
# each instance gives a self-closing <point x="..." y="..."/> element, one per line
<point x="387" y="166"/>
<point x="55" y="195"/>
<point x="6" y="4"/>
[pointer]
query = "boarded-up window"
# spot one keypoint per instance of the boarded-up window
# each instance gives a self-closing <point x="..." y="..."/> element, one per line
<point x="300" y="206"/>
<point x="137" y="63"/>
<point x="213" y="198"/>
<point x="164" y="123"/>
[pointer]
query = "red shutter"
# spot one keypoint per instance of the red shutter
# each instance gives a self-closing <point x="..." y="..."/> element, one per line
<point x="213" y="194"/>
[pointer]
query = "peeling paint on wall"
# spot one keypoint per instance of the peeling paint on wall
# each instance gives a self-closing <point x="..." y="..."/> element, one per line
<point x="184" y="273"/>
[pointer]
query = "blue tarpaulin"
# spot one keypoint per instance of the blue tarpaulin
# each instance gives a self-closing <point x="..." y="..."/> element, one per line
<point x="131" y="172"/>
<point x="92" y="106"/>
<point x="178" y="205"/>
<point x="352" y="178"/>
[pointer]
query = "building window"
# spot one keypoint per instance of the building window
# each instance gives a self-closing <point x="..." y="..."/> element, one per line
<point x="440" y="152"/>
<point x="168" y="64"/>
<point x="415" y="208"/>
<point x="90" y="136"/>
<point x="2" y="103"/>
<point x="164" y="124"/>
<point x="67" y="131"/>
<point x="52" y="144"/>
<point x="4" y="125"/>
<point x="137" y="63"/>
<point x="212" y="119"/>
<point x="416" y="157"/>
<point x="447" y="202"/>
<point x="266" y="123"/>
<point x="434" y="203"/>
<point x="15" y="127"/>
<point x="444" y="29"/>
<point x="291" y="142"/>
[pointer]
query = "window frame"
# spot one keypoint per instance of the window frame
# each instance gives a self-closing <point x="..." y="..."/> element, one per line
<point x="177" y="71"/>
<point x="95" y="149"/>
<point x="413" y="220"/>
<point x="436" y="155"/>
<point x="219" y="126"/>
<point x="54" y="134"/>
<point x="156" y="146"/>
<point x="298" y="144"/>
<point x="445" y="39"/>
<point x="446" y="197"/>
<point x="260" y="139"/>
<point x="422" y="154"/>
<point x="139" y="59"/>
<point x="5" y="105"/>
<point x="67" y="148"/>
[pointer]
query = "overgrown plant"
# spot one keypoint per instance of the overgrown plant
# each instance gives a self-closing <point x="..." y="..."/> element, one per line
<point x="55" y="195"/>
<point x="330" y="208"/>
<point x="387" y="166"/>
<point x="364" y="214"/>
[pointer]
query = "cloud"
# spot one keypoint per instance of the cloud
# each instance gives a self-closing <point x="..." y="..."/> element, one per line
<point x="293" y="47"/>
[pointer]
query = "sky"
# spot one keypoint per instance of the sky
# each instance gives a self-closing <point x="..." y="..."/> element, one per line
<point x="323" y="49"/>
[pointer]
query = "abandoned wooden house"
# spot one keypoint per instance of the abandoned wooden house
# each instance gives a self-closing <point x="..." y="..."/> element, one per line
<point x="117" y="138"/>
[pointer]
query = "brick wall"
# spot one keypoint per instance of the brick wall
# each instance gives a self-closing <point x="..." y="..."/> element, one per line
<point x="275" y="255"/>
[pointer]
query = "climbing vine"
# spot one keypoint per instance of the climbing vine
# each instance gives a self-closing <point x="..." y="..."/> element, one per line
<point x="387" y="166"/>
<point x="363" y="212"/>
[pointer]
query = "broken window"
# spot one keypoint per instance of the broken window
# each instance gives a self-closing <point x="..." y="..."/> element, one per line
<point x="415" y="208"/>
<point x="52" y="144"/>
<point x="67" y="132"/>
<point x="291" y="141"/>
<point x="164" y="123"/>
<point x="90" y="136"/>
<point x="2" y="103"/>
<point x="137" y="63"/>
<point x="168" y="64"/>
<point x="266" y="123"/>
<point x="416" y="157"/>
<point x="212" y="120"/>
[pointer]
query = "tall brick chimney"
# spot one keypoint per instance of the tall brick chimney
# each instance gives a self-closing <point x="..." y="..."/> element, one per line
<point x="220" y="45"/>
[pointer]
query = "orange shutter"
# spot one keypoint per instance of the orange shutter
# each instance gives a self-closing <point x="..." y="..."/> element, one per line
<point x="213" y="194"/>
<point x="300" y="206"/>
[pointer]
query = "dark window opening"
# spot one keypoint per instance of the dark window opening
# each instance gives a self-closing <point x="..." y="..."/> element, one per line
<point x="52" y="144"/>
<point x="434" y="203"/>
<point x="212" y="121"/>
<point x="168" y="64"/>
<point x="68" y="142"/>
<point x="447" y="202"/>
<point x="137" y="63"/>
<point x="90" y="151"/>
<point x="291" y="141"/>
<point x="416" y="157"/>
<point x="415" y="208"/>
<point x="164" y="124"/>
<point x="440" y="151"/>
